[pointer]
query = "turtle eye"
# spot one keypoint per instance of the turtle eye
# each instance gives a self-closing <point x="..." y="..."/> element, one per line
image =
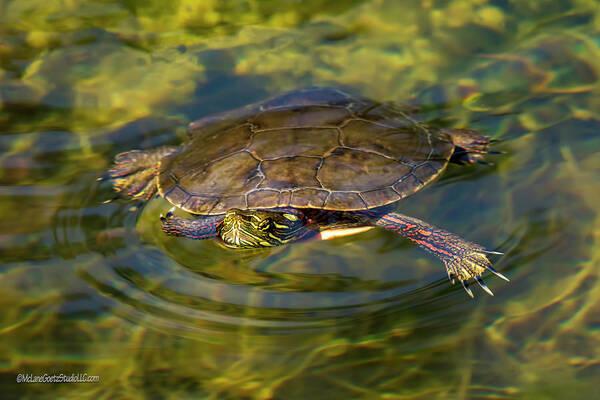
<point x="265" y="224"/>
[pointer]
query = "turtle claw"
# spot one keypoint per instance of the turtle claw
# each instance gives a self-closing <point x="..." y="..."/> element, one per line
<point x="484" y="286"/>
<point x="451" y="277"/>
<point x="110" y="200"/>
<point x="482" y="162"/>
<point x="103" y="177"/>
<point x="498" y="274"/>
<point x="466" y="287"/>
<point x="491" y="252"/>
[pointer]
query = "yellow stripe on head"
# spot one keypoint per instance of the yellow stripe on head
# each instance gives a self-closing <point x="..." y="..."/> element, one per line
<point x="259" y="228"/>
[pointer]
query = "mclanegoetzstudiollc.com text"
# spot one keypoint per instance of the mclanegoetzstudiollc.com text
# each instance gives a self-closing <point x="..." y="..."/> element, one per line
<point x="58" y="378"/>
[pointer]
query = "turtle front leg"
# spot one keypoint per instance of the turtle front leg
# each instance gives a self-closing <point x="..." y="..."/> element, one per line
<point x="202" y="227"/>
<point x="463" y="259"/>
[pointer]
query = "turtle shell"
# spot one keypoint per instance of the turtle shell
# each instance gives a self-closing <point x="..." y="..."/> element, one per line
<point x="312" y="148"/>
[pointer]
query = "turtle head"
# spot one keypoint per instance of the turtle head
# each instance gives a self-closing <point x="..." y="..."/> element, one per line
<point x="259" y="228"/>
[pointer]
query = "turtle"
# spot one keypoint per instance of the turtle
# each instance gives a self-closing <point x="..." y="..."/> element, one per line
<point x="303" y="165"/>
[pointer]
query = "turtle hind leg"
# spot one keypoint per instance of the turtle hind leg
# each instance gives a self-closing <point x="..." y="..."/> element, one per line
<point x="470" y="145"/>
<point x="134" y="172"/>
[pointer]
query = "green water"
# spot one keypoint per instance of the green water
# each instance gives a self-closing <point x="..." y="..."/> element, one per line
<point x="96" y="288"/>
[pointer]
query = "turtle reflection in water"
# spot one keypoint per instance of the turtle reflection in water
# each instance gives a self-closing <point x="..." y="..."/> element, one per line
<point x="302" y="165"/>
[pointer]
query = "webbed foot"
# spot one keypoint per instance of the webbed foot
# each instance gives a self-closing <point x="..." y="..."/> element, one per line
<point x="470" y="263"/>
<point x="134" y="172"/>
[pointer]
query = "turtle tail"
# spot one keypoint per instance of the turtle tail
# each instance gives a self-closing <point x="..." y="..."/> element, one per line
<point x="134" y="173"/>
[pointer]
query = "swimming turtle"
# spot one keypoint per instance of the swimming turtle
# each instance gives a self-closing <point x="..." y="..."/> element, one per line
<point x="302" y="165"/>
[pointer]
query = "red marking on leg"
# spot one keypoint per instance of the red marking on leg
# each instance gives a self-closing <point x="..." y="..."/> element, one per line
<point x="404" y="224"/>
<point x="117" y="174"/>
<point x="433" y="248"/>
<point x="150" y="193"/>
